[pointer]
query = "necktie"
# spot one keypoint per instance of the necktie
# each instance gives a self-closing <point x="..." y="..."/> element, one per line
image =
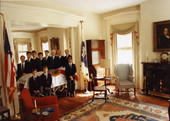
<point x="70" y="65"/>
<point x="22" y="67"/>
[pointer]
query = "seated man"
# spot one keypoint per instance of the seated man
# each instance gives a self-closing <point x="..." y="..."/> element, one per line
<point x="70" y="75"/>
<point x="34" y="84"/>
<point x="21" y="67"/>
<point x="46" y="81"/>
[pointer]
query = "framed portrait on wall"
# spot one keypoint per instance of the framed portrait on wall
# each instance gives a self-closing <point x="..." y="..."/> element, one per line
<point x="54" y="43"/>
<point x="161" y="36"/>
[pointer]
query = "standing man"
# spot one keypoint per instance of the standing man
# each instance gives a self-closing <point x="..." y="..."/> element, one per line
<point x="66" y="57"/>
<point x="34" y="60"/>
<point x="46" y="81"/>
<point x="40" y="61"/>
<point x="53" y="59"/>
<point x="47" y="59"/>
<point x="70" y="75"/>
<point x="29" y="63"/>
<point x="60" y="59"/>
<point x="21" y="67"/>
<point x="34" y="84"/>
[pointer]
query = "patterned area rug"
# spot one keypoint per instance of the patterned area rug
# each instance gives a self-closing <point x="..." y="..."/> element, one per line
<point x="116" y="109"/>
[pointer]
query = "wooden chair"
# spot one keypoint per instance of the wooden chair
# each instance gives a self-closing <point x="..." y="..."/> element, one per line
<point x="100" y="89"/>
<point x="124" y="78"/>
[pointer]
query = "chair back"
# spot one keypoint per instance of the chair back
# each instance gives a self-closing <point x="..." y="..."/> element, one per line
<point x="27" y="99"/>
<point x="123" y="71"/>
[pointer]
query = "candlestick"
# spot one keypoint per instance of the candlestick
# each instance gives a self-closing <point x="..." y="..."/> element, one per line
<point x="147" y="56"/>
<point x="35" y="103"/>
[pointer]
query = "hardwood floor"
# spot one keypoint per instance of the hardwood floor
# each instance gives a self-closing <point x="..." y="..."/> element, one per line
<point x="67" y="104"/>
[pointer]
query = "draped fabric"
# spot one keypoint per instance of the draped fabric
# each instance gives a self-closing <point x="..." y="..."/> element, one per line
<point x="21" y="41"/>
<point x="125" y="29"/>
<point x="4" y="93"/>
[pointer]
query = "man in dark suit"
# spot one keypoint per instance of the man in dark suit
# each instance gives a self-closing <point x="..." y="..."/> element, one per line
<point x="21" y="67"/>
<point x="40" y="61"/>
<point x="46" y="81"/>
<point x="60" y="59"/>
<point x="165" y="39"/>
<point x="66" y="57"/>
<point x="35" y="61"/>
<point x="29" y="63"/>
<point x="47" y="59"/>
<point x="53" y="59"/>
<point x="70" y="75"/>
<point x="34" y="84"/>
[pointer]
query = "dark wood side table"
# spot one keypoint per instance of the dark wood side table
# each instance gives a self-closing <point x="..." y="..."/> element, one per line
<point x="30" y="116"/>
<point x="4" y="110"/>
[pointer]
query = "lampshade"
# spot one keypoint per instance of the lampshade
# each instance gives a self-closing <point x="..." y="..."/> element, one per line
<point x="105" y="63"/>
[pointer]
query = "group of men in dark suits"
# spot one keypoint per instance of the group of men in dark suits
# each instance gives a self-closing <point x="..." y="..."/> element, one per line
<point x="33" y="62"/>
<point x="43" y="83"/>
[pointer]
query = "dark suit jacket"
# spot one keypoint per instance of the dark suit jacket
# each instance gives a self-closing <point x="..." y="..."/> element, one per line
<point x="53" y="62"/>
<point x="34" y="84"/>
<point x="66" y="59"/>
<point x="46" y="82"/>
<point x="40" y="64"/>
<point x="164" y="42"/>
<point x="70" y="71"/>
<point x="35" y="63"/>
<point x="47" y="62"/>
<point x="60" y="61"/>
<point x="19" y="71"/>
<point x="29" y="66"/>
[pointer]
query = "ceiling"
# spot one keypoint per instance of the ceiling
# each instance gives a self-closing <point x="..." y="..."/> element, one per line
<point x="26" y="26"/>
<point x="73" y="6"/>
<point x="95" y="6"/>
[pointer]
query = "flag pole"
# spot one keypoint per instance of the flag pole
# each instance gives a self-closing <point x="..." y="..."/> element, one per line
<point x="15" y="117"/>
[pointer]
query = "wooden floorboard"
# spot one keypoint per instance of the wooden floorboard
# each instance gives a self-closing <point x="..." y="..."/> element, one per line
<point x="67" y="104"/>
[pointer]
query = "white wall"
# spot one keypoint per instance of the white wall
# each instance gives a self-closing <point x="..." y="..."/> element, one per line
<point x="57" y="33"/>
<point x="151" y="11"/>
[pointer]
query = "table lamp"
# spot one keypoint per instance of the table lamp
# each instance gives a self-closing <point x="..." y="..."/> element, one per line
<point x="105" y="63"/>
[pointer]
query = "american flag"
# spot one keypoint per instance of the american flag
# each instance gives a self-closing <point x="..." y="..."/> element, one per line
<point x="9" y="80"/>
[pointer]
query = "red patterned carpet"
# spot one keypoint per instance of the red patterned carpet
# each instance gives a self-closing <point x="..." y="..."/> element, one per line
<point x="116" y="109"/>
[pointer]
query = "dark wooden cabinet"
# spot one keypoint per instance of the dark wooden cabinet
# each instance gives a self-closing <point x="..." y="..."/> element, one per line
<point x="156" y="79"/>
<point x="95" y="52"/>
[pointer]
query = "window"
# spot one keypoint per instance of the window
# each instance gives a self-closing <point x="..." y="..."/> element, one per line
<point x="124" y="48"/>
<point x="45" y="46"/>
<point x="22" y="50"/>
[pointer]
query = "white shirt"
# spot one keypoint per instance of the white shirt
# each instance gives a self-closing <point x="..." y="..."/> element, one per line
<point x="70" y="64"/>
<point x="53" y="57"/>
<point x="23" y="64"/>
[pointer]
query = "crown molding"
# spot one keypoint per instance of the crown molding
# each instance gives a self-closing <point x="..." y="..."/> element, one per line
<point x="122" y="13"/>
<point x="12" y="5"/>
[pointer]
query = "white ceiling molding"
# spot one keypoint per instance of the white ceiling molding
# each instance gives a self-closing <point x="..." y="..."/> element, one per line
<point x="122" y="13"/>
<point x="4" y="4"/>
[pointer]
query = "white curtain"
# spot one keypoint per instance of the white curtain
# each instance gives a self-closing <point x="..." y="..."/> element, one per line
<point x="21" y="41"/>
<point x="125" y="29"/>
